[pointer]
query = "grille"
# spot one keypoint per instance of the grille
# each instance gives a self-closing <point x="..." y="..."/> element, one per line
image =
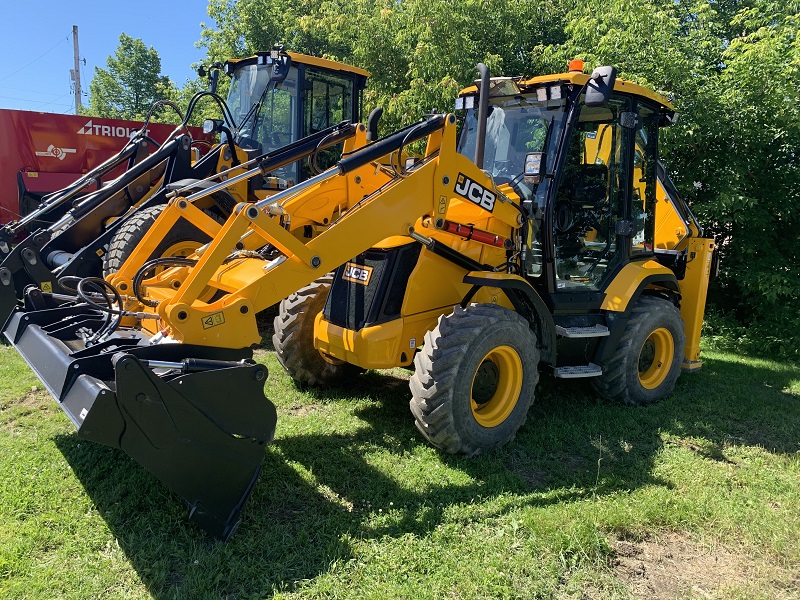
<point x="353" y="305"/>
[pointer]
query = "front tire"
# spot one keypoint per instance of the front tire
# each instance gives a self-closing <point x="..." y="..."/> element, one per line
<point x="474" y="379"/>
<point x="294" y="339"/>
<point x="647" y="361"/>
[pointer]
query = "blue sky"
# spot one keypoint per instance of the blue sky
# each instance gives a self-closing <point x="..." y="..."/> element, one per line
<point x="36" y="44"/>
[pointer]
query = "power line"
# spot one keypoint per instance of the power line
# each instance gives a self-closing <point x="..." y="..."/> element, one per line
<point x="83" y="77"/>
<point x="53" y="101"/>
<point x="12" y="89"/>
<point x="35" y="59"/>
<point x="32" y="101"/>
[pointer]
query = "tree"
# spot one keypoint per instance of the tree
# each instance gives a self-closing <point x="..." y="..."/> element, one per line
<point x="130" y="84"/>
<point x="420" y="53"/>
<point x="730" y="66"/>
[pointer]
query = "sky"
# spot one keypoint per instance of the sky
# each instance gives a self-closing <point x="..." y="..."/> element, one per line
<point x="37" y="49"/>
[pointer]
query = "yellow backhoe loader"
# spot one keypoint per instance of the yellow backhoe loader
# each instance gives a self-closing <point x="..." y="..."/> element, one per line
<point x="536" y="234"/>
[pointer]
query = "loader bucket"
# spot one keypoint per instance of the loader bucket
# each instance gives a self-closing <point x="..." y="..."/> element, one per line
<point x="169" y="407"/>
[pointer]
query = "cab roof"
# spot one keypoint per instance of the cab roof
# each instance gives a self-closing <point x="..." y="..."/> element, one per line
<point x="305" y="59"/>
<point x="579" y="78"/>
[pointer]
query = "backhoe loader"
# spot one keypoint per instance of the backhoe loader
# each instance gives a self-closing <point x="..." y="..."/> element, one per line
<point x="275" y="99"/>
<point x="534" y="235"/>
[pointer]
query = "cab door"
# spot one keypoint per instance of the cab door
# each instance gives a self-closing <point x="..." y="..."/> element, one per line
<point x="589" y="206"/>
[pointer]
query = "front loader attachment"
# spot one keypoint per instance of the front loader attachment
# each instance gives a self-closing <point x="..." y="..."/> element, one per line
<point x="169" y="407"/>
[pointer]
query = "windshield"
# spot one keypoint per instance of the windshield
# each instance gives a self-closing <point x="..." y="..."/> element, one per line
<point x="515" y="127"/>
<point x="247" y="86"/>
<point x="265" y="111"/>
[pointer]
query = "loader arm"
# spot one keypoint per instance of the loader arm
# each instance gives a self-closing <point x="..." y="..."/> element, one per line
<point x="383" y="204"/>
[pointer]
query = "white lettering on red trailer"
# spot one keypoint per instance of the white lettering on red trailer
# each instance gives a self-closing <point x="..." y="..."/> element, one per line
<point x="108" y="131"/>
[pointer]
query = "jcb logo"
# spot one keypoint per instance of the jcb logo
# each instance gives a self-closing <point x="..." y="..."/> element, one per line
<point x="357" y="273"/>
<point x="475" y="192"/>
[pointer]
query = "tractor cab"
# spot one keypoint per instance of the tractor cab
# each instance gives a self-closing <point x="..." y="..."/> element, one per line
<point x="584" y="169"/>
<point x="277" y="97"/>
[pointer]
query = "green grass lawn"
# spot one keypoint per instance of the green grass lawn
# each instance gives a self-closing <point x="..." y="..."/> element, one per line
<point x="697" y="496"/>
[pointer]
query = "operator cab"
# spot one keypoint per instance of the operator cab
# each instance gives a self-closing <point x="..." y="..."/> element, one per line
<point x="584" y="172"/>
<point x="277" y="97"/>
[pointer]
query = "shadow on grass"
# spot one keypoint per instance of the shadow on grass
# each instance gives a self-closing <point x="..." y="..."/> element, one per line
<point x="296" y="525"/>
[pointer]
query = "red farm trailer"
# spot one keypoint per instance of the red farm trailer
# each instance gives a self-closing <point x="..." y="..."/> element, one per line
<point x="44" y="152"/>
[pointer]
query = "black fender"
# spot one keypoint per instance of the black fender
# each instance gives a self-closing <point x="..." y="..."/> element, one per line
<point x="526" y="301"/>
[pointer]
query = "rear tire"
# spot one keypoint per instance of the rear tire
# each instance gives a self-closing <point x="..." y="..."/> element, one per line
<point x="648" y="359"/>
<point x="183" y="239"/>
<point x="474" y="379"/>
<point x="294" y="339"/>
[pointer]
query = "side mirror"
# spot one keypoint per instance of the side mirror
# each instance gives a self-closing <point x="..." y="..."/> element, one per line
<point x="533" y="167"/>
<point x="213" y="81"/>
<point x="212" y="72"/>
<point x="280" y="68"/>
<point x="213" y="125"/>
<point x="600" y="86"/>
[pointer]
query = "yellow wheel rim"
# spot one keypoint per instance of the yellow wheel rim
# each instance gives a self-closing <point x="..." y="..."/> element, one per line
<point x="496" y="386"/>
<point x="182" y="249"/>
<point x="655" y="358"/>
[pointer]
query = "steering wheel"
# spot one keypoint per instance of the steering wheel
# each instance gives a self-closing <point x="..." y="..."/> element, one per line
<point x="504" y="172"/>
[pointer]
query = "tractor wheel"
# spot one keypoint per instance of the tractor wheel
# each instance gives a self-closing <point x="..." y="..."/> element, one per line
<point x="294" y="339"/>
<point x="182" y="240"/>
<point x="474" y="379"/>
<point x="648" y="359"/>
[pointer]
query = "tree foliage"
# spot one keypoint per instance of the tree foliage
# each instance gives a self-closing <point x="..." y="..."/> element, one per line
<point x="131" y="83"/>
<point x="730" y="66"/>
<point x="420" y="53"/>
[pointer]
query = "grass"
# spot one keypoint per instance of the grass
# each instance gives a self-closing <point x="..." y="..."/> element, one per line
<point x="352" y="503"/>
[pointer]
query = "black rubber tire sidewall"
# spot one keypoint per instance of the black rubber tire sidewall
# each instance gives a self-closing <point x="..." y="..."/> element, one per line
<point x="445" y="368"/>
<point x="294" y="339"/>
<point x="620" y="379"/>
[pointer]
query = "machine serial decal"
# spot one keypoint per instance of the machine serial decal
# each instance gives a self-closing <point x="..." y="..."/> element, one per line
<point x="213" y="320"/>
<point x="475" y="192"/>
<point x="357" y="273"/>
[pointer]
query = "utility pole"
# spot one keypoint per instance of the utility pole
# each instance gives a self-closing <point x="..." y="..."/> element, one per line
<point x="76" y="73"/>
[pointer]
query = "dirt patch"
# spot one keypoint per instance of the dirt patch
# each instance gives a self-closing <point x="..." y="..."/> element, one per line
<point x="708" y="450"/>
<point x="675" y="567"/>
<point x="534" y="478"/>
<point x="303" y="409"/>
<point x="571" y="462"/>
<point x="538" y="474"/>
<point x="31" y="399"/>
<point x="14" y="411"/>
